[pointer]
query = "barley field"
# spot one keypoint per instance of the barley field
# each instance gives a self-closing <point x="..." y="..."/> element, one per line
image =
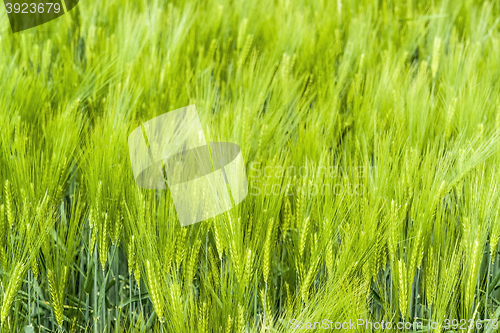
<point x="370" y="132"/>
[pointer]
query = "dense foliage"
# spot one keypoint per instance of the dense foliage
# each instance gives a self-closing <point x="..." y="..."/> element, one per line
<point x="369" y="130"/>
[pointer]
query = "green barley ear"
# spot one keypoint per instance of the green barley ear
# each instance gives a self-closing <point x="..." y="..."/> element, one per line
<point x="422" y="70"/>
<point x="303" y="237"/>
<point x="10" y="204"/>
<point x="248" y="231"/>
<point x="15" y="282"/>
<point x="98" y="197"/>
<point x="402" y="288"/>
<point x="311" y="273"/>
<point x="131" y="255"/>
<point x="59" y="193"/>
<point x="175" y="296"/>
<point x="57" y="305"/>
<point x="300" y="203"/>
<point x="3" y="226"/>
<point x="415" y="259"/>
<point x="449" y="117"/>
<point x="241" y="318"/>
<point x="245" y="50"/>
<point x="214" y="267"/>
<point x="436" y="53"/>
<point x="103" y="244"/>
<point x="218" y="241"/>
<point x="31" y="235"/>
<point x="480" y="132"/>
<point x="469" y="294"/>
<point x="287" y="218"/>
<point x="64" y="281"/>
<point x="180" y="247"/>
<point x="93" y="230"/>
<point x="43" y="210"/>
<point x="494" y="235"/>
<point x="229" y="324"/>
<point x="118" y="228"/>
<point x="267" y="251"/>
<point x="3" y="230"/>
<point x="191" y="265"/>
<point x="137" y="274"/>
<point x="202" y="318"/>
<point x="248" y="267"/>
<point x="241" y="33"/>
<point x="154" y="289"/>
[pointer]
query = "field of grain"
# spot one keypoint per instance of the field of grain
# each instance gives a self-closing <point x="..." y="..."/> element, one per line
<point x="370" y="132"/>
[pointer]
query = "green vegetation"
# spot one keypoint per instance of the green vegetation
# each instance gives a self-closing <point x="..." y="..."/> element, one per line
<point x="390" y="110"/>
